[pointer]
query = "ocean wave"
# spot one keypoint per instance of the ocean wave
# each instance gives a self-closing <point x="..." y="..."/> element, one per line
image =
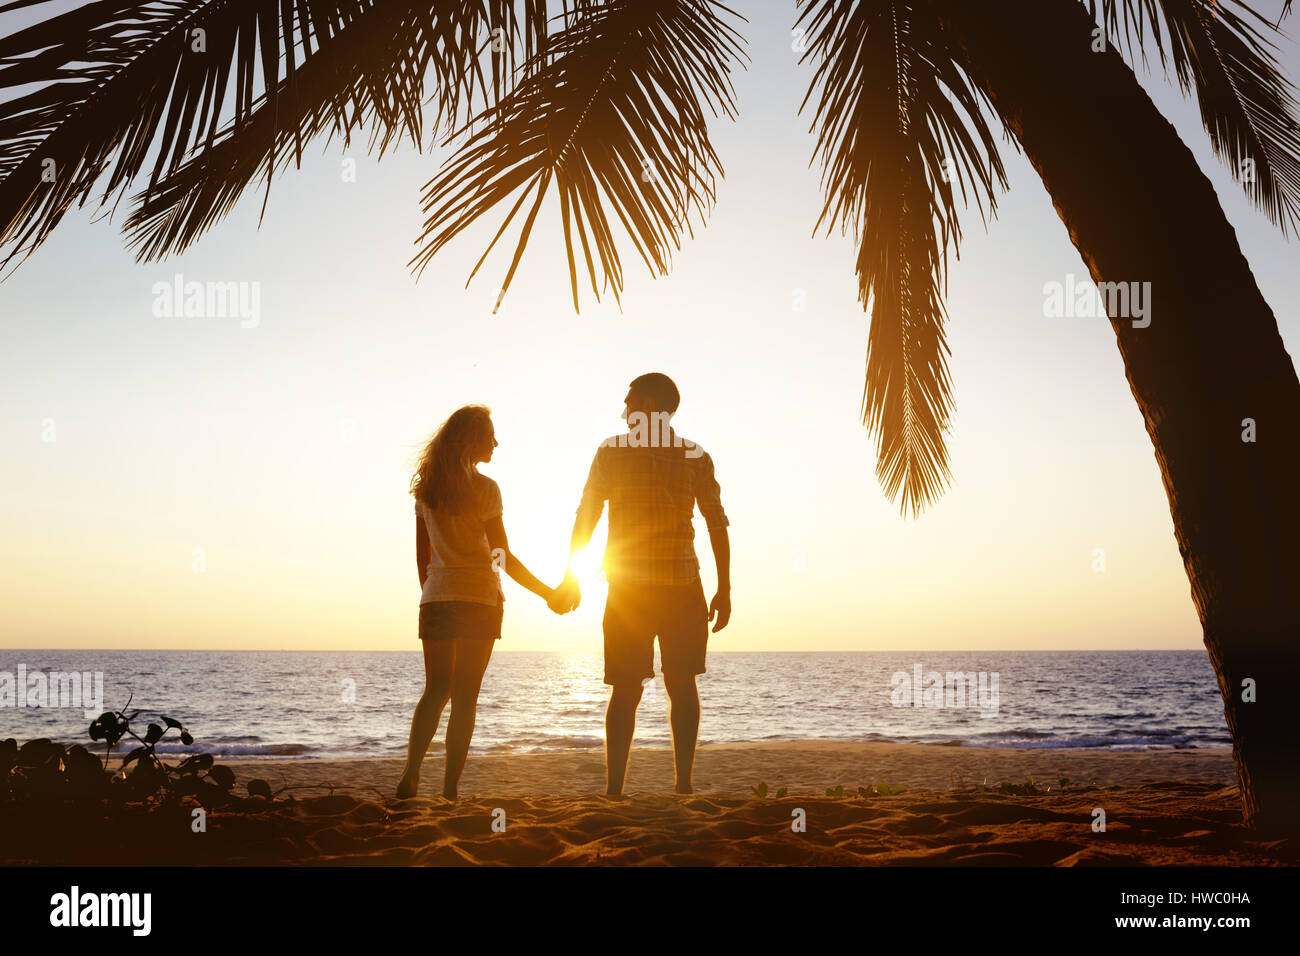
<point x="238" y="750"/>
<point x="1026" y="733"/>
<point x="1105" y="742"/>
<point x="548" y="743"/>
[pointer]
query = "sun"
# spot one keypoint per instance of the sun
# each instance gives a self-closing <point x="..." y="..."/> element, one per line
<point x="586" y="565"/>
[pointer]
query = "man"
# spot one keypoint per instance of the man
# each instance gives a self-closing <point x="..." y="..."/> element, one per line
<point x="652" y="479"/>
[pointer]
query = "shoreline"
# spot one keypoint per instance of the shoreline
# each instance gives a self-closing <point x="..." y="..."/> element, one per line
<point x="435" y="750"/>
<point x="942" y="806"/>
<point x="806" y="764"/>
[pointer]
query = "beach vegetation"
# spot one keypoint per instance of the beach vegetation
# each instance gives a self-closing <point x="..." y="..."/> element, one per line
<point x="46" y="771"/>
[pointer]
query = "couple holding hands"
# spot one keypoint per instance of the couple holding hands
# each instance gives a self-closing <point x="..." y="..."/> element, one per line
<point x="652" y="480"/>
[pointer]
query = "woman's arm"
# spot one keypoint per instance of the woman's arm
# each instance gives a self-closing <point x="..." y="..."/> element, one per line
<point x="496" y="535"/>
<point x="423" y="552"/>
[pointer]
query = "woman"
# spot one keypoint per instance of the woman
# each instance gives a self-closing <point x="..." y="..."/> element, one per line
<point x="460" y="543"/>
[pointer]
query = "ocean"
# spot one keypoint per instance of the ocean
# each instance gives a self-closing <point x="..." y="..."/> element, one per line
<point x="286" y="704"/>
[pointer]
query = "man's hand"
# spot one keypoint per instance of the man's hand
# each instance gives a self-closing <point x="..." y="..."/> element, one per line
<point x="721" y="606"/>
<point x="559" y="602"/>
<point x="567" y="596"/>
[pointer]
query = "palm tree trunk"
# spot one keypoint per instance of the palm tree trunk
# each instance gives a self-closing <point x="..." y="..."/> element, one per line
<point x="1139" y="209"/>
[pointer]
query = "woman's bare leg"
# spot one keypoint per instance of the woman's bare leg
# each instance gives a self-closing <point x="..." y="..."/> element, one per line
<point x="439" y="662"/>
<point x="471" y="661"/>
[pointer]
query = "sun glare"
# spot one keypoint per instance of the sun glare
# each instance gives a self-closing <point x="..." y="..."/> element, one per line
<point x="586" y="564"/>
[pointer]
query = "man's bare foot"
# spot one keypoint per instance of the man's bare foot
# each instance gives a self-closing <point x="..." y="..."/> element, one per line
<point x="449" y="793"/>
<point x="407" y="787"/>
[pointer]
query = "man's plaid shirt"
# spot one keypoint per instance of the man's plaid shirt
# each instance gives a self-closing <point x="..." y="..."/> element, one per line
<point x="652" y="491"/>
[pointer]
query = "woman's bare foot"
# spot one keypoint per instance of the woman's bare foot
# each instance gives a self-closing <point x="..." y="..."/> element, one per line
<point x="449" y="793"/>
<point x="407" y="787"/>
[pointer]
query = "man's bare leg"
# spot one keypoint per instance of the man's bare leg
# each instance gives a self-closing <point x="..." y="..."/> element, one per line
<point x="684" y="718"/>
<point x="620" y="726"/>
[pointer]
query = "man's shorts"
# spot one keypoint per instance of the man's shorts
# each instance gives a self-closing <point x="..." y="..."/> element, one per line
<point x="637" y="613"/>
<point x="448" y="620"/>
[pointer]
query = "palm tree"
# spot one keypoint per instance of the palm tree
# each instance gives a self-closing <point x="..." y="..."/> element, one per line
<point x="1211" y="367"/>
<point x="609" y="102"/>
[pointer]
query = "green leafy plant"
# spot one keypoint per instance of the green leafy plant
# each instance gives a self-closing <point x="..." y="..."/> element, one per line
<point x="145" y="774"/>
<point x="1029" y="788"/>
<point x="880" y="790"/>
<point x="259" y="788"/>
<point x="50" y="772"/>
<point x="41" y="770"/>
<point x="762" y="790"/>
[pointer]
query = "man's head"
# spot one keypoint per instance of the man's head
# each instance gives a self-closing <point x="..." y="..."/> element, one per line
<point x="650" y="393"/>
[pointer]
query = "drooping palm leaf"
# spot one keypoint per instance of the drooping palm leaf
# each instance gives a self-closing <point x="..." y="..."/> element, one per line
<point x="897" y="122"/>
<point x="111" y="86"/>
<point x="1248" y="107"/>
<point x="116" y="82"/>
<point x="371" y="72"/>
<point x="370" y="75"/>
<point x="614" y="115"/>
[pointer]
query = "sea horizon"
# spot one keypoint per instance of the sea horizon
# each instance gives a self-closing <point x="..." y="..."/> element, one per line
<point x="548" y="650"/>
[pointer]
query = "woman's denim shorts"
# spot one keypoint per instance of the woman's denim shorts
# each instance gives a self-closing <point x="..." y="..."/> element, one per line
<point x="448" y="620"/>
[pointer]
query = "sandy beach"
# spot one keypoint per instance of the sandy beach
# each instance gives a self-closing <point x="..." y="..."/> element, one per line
<point x="1161" y="808"/>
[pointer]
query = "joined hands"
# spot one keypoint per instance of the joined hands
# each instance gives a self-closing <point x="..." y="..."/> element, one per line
<point x="566" y="597"/>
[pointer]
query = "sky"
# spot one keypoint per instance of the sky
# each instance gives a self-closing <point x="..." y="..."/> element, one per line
<point x="213" y="482"/>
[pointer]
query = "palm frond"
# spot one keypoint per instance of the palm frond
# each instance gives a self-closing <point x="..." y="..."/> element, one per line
<point x="372" y="74"/>
<point x="1248" y="106"/>
<point x="116" y="81"/>
<point x="614" y="114"/>
<point x="115" y="87"/>
<point x="897" y="123"/>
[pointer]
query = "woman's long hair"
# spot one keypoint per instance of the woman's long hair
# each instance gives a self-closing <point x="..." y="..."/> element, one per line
<point x="443" y="479"/>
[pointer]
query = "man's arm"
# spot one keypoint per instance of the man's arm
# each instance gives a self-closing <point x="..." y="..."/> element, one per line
<point x="568" y="593"/>
<point x="579" y="538"/>
<point x="583" y="527"/>
<point x="721" y="604"/>
<point x="594" y="494"/>
<point x="709" y="497"/>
